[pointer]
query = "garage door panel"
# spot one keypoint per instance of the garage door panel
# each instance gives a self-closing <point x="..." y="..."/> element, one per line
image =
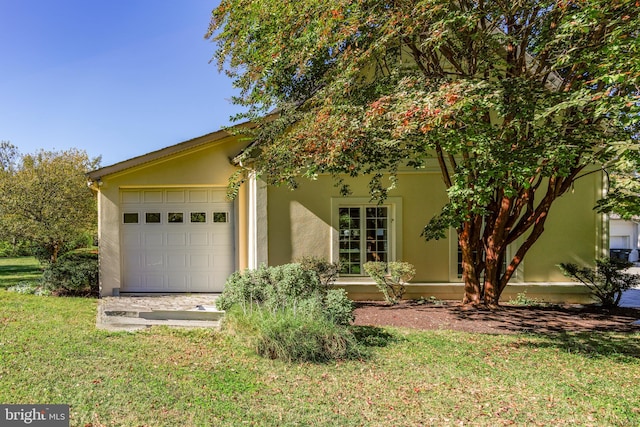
<point x="196" y="255"/>
<point x="175" y="196"/>
<point x="198" y="196"/>
<point x="199" y="239"/>
<point x="177" y="282"/>
<point x="201" y="261"/>
<point x="152" y="239"/>
<point x="154" y="260"/>
<point x="176" y="239"/>
<point x="176" y="261"/>
<point x="132" y="239"/>
<point x="153" y="282"/>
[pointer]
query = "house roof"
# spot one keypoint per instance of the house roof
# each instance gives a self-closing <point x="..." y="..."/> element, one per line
<point x="162" y="153"/>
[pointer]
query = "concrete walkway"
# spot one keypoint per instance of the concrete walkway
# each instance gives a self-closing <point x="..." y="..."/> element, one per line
<point x="630" y="298"/>
<point x="135" y="312"/>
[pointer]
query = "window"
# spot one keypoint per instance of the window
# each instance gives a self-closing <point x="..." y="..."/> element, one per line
<point x="175" y="217"/>
<point x="220" y="217"/>
<point x="130" y="217"/>
<point x="152" y="217"/>
<point x="198" y="217"/>
<point x="363" y="236"/>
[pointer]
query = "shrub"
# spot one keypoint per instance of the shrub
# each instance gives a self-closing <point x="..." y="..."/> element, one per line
<point x="289" y="314"/>
<point x="607" y="281"/>
<point x="303" y="337"/>
<point x="338" y="307"/>
<point x="391" y="278"/>
<point x="274" y="287"/>
<point x="75" y="273"/>
<point x="523" y="300"/>
<point x="327" y="271"/>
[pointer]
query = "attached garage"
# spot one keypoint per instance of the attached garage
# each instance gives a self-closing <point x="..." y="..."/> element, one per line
<point x="165" y="222"/>
<point x="176" y="240"/>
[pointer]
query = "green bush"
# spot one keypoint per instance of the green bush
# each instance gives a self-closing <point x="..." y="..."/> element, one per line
<point x="303" y="337"/>
<point x="338" y="307"/>
<point x="75" y="273"/>
<point x="607" y="281"/>
<point x="273" y="287"/>
<point x="289" y="314"/>
<point x="391" y="278"/>
<point x="327" y="271"/>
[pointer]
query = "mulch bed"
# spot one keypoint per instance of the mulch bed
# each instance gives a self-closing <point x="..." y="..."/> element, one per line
<point x="508" y="319"/>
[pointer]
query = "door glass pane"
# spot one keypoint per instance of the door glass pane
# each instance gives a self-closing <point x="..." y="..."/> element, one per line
<point x="349" y="240"/>
<point x="175" y="217"/>
<point x="152" y="217"/>
<point x="130" y="218"/>
<point x="363" y="236"/>
<point x="220" y="217"/>
<point x="377" y="234"/>
<point x="198" y="217"/>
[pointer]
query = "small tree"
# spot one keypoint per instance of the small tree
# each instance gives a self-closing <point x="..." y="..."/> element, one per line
<point x="391" y="278"/>
<point x="607" y="281"/>
<point x="44" y="199"/>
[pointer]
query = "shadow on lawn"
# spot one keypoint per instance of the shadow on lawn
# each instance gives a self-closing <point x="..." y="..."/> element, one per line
<point x="12" y="270"/>
<point x="373" y="336"/>
<point x="554" y="319"/>
<point x="589" y="330"/>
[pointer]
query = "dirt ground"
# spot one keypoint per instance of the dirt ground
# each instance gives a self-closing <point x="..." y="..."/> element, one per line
<point x="451" y="315"/>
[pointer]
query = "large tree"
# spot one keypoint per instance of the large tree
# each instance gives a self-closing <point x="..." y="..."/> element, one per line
<point x="516" y="100"/>
<point x="44" y="198"/>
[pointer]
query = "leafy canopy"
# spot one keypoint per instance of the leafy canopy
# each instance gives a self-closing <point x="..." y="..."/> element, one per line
<point x="511" y="101"/>
<point x="44" y="199"/>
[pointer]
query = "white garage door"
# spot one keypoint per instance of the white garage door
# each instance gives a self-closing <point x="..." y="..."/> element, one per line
<point x="176" y="240"/>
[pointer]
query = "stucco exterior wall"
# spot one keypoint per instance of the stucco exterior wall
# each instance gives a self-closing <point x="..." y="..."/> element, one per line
<point x="204" y="166"/>
<point x="300" y="223"/>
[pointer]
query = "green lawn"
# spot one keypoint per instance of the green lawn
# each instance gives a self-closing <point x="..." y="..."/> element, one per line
<point x="15" y="270"/>
<point x="50" y="352"/>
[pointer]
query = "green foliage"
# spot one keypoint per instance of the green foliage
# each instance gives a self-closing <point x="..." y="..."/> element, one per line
<point x="12" y="249"/>
<point x="327" y="271"/>
<point x="513" y="101"/>
<point x="296" y="336"/>
<point x="391" y="278"/>
<point x="607" y="281"/>
<point x="75" y="273"/>
<point x="44" y="200"/>
<point x="273" y="287"/>
<point x="289" y="314"/>
<point x="523" y="300"/>
<point x="29" y="288"/>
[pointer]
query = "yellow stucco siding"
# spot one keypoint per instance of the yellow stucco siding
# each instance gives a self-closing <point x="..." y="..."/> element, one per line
<point x="573" y="233"/>
<point x="300" y="223"/>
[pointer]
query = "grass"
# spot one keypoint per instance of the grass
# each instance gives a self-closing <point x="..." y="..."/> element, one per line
<point x="50" y="352"/>
<point x="15" y="270"/>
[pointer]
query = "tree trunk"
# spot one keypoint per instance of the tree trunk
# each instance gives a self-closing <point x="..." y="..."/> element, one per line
<point x="470" y="276"/>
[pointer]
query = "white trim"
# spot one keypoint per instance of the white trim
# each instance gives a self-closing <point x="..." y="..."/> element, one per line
<point x="257" y="233"/>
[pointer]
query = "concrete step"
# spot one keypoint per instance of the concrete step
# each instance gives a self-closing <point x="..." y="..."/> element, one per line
<point x="135" y="319"/>
<point x="122" y="323"/>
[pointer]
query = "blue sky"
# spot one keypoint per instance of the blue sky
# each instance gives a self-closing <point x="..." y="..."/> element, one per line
<point x="116" y="78"/>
